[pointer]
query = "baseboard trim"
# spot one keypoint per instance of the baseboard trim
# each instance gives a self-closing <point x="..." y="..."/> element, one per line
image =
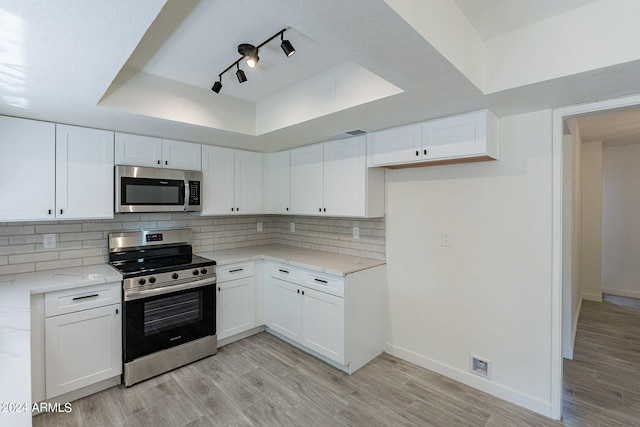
<point x="621" y="292"/>
<point x="592" y="297"/>
<point x="521" y="399"/>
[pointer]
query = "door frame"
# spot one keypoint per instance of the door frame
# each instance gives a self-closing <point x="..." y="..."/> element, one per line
<point x="559" y="115"/>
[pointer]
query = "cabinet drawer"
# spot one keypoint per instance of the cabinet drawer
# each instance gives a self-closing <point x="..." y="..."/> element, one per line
<point x="235" y="271"/>
<point x="77" y="299"/>
<point x="284" y="272"/>
<point x="326" y="283"/>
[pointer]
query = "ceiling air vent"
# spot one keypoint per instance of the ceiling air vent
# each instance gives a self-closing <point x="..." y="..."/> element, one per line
<point x="347" y="134"/>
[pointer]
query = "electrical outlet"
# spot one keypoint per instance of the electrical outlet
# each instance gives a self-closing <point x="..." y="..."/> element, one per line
<point x="292" y="227"/>
<point x="49" y="241"/>
<point x="259" y="227"/>
<point x="446" y="239"/>
<point x="356" y="232"/>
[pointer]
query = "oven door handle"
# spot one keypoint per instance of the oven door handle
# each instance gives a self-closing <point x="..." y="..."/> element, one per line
<point x="131" y="295"/>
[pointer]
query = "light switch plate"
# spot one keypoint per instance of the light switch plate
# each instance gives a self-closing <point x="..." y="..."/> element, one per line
<point x="292" y="227"/>
<point x="259" y="227"/>
<point x="446" y="239"/>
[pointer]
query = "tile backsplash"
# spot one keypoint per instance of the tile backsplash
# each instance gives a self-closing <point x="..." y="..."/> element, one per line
<point x="85" y="242"/>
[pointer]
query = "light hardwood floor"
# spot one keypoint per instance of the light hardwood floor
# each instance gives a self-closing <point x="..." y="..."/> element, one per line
<point x="602" y="382"/>
<point x="264" y="381"/>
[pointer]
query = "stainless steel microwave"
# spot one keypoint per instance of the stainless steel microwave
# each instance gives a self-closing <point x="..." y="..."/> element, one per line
<point x="141" y="189"/>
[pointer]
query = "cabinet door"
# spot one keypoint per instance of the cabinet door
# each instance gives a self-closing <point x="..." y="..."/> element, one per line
<point x="27" y="169"/>
<point x="236" y="307"/>
<point x="323" y="324"/>
<point x="458" y="136"/>
<point x="138" y="150"/>
<point x="82" y="348"/>
<point x="284" y="308"/>
<point x="218" y="167"/>
<point x="248" y="182"/>
<point x="277" y="182"/>
<point x="181" y="155"/>
<point x="84" y="173"/>
<point x="397" y="145"/>
<point x="345" y="165"/>
<point x="307" y="180"/>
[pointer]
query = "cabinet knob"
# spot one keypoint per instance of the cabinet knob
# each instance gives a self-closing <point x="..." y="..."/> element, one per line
<point x="417" y="153"/>
<point x="166" y="162"/>
<point x="287" y="209"/>
<point x="302" y="292"/>
<point x="425" y="152"/>
<point x="158" y="161"/>
<point x="324" y="209"/>
<point x="61" y="211"/>
<point x="117" y="311"/>
<point x="237" y="209"/>
<point x="298" y="290"/>
<point x="49" y="211"/>
<point x="319" y="209"/>
<point x="231" y="209"/>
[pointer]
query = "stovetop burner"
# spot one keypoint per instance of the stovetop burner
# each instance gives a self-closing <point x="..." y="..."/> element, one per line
<point x="157" y="257"/>
<point x="140" y="267"/>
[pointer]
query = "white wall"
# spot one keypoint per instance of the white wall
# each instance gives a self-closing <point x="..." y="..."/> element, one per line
<point x="621" y="220"/>
<point x="591" y="241"/>
<point x="490" y="293"/>
<point x="571" y="232"/>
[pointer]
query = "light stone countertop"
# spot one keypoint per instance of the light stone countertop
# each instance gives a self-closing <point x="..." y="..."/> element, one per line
<point x="325" y="262"/>
<point x="15" y="327"/>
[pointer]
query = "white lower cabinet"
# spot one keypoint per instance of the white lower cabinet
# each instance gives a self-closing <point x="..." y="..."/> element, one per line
<point x="82" y="338"/>
<point x="339" y="319"/>
<point x="82" y="348"/>
<point x="323" y="324"/>
<point x="235" y="299"/>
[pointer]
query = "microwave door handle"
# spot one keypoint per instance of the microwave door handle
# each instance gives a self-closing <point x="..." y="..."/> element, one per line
<point x="186" y="193"/>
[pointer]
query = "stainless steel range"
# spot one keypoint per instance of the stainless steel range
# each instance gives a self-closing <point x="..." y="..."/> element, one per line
<point x="169" y="301"/>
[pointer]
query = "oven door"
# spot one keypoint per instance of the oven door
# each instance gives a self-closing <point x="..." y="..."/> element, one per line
<point x="167" y="320"/>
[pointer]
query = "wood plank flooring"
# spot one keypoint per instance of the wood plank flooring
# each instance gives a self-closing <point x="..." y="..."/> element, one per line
<point x="262" y="381"/>
<point x="602" y="382"/>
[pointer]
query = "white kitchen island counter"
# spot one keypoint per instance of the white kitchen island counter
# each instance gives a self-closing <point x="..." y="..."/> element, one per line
<point x="325" y="262"/>
<point x="15" y="327"/>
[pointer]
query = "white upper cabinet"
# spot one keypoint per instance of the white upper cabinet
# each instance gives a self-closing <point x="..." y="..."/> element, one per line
<point x="27" y="169"/>
<point x="277" y="183"/>
<point x="84" y="173"/>
<point x="307" y="186"/>
<point x="138" y="150"/>
<point x="345" y="167"/>
<point x="248" y="182"/>
<point x="463" y="138"/>
<point x="54" y="174"/>
<point x="332" y="179"/>
<point x="397" y="145"/>
<point x="181" y="155"/>
<point x="232" y="181"/>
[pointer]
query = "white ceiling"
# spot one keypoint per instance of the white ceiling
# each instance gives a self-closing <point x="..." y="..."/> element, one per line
<point x="147" y="67"/>
<point x="492" y="18"/>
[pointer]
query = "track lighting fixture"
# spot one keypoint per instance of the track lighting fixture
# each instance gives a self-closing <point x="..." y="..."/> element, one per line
<point x="286" y="46"/>
<point x="240" y="74"/>
<point x="217" y="85"/>
<point x="250" y="52"/>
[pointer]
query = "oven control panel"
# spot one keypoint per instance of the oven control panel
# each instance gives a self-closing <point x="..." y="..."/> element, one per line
<point x="177" y="277"/>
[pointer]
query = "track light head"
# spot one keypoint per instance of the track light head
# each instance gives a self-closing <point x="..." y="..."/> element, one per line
<point x="250" y="52"/>
<point x="286" y="46"/>
<point x="217" y="86"/>
<point x="240" y="74"/>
